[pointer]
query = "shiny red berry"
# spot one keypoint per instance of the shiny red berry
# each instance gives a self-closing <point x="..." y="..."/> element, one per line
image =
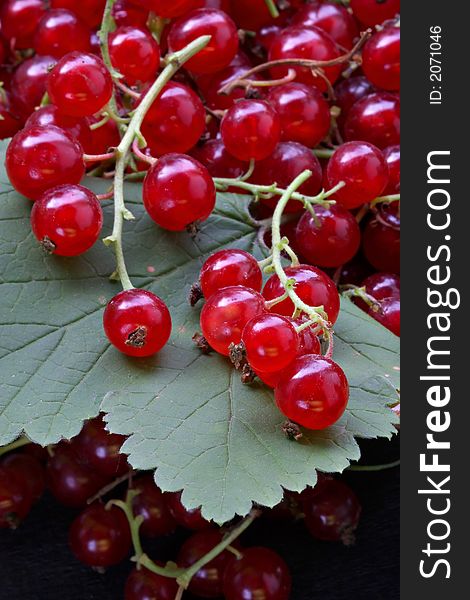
<point x="332" y="511"/>
<point x="251" y="129"/>
<point x="15" y="499"/>
<point x="129" y="13"/>
<point x="137" y="322"/>
<point x="100" y="450"/>
<point x="189" y="518"/>
<point x="67" y="220"/>
<point x="28" y="84"/>
<point x="375" y="12"/>
<point x="145" y="585"/>
<point x="208" y="581"/>
<point x="311" y="44"/>
<point x="135" y="54"/>
<point x="70" y="481"/>
<point x="28" y="471"/>
<point x="226" y="313"/>
<point x="382" y="285"/>
<point x="19" y="19"/>
<point x="220" y="163"/>
<point x="88" y="11"/>
<point x="100" y="537"/>
<point x="259" y="573"/>
<point x="166" y="9"/>
<point x="39" y="158"/>
<point x="102" y="139"/>
<point x="288" y="160"/>
<point x="9" y="122"/>
<point x="332" y="18"/>
<point x="150" y="503"/>
<point x="229" y="267"/>
<point x="175" y="121"/>
<point x="178" y="192"/>
<point x="348" y="91"/>
<point x="388" y="313"/>
<point x="312" y="286"/>
<point x="331" y="240"/>
<point x="313" y="392"/>
<point x="210" y="84"/>
<point x="381" y="59"/>
<point x="205" y="21"/>
<point x="304" y="113"/>
<point x="363" y="169"/>
<point x="381" y="242"/>
<point x="77" y="127"/>
<point x="271" y="342"/>
<point x="392" y="156"/>
<point x="80" y="84"/>
<point x="375" y="119"/>
<point x="59" y="32"/>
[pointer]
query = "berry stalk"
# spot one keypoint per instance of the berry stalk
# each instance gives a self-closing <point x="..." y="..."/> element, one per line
<point x="174" y="62"/>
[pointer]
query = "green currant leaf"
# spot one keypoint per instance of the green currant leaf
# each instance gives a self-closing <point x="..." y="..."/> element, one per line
<point x="186" y="415"/>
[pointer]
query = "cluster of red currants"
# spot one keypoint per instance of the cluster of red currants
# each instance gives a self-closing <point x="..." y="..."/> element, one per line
<point x="80" y="473"/>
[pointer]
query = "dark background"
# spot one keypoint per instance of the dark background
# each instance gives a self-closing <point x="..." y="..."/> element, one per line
<point x="36" y="564"/>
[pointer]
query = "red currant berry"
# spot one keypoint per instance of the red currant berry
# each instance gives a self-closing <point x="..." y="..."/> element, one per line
<point x="77" y="127"/>
<point x="381" y="243"/>
<point x="9" y="122"/>
<point x="60" y="32"/>
<point x="28" y="471"/>
<point x="308" y="340"/>
<point x="151" y="504"/>
<point x="15" y="499"/>
<point x="135" y="54"/>
<point x="230" y="267"/>
<point x="332" y="18"/>
<point x="251" y="129"/>
<point x="67" y="220"/>
<point x="271" y="342"/>
<point x="348" y="91"/>
<point x="145" y="585"/>
<point x="167" y="10"/>
<point x="127" y="13"/>
<point x="100" y="537"/>
<point x="333" y="241"/>
<point x="363" y="169"/>
<point x="312" y="286"/>
<point x="189" y="518"/>
<point x="220" y="163"/>
<point x="80" y="84"/>
<point x="205" y="21"/>
<point x="392" y="156"/>
<point x="332" y="511"/>
<point x="375" y="12"/>
<point x="175" y="121"/>
<point x="208" y="581"/>
<point x="219" y="4"/>
<point x="209" y="85"/>
<point x="310" y="44"/>
<point x="103" y="138"/>
<point x="89" y="12"/>
<point x="304" y="113"/>
<point x="71" y="482"/>
<point x="375" y="119"/>
<point x="28" y="84"/>
<point x="259" y="573"/>
<point x="39" y="158"/>
<point x="382" y="285"/>
<point x="178" y="192"/>
<point x="100" y="450"/>
<point x="137" y="322"/>
<point x="313" y="392"/>
<point x="19" y="19"/>
<point x="288" y="160"/>
<point x="388" y="313"/>
<point x="251" y="14"/>
<point x="381" y="59"/>
<point x="226" y="313"/>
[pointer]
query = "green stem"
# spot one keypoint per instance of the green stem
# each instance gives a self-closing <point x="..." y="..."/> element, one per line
<point x="316" y="313"/>
<point x="121" y="213"/>
<point x="222" y="184"/>
<point x="390" y="198"/>
<point x="22" y="441"/>
<point x="273" y="11"/>
<point x="354" y="291"/>
<point x="371" y="468"/>
<point x="186" y="577"/>
<point x="324" y="152"/>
